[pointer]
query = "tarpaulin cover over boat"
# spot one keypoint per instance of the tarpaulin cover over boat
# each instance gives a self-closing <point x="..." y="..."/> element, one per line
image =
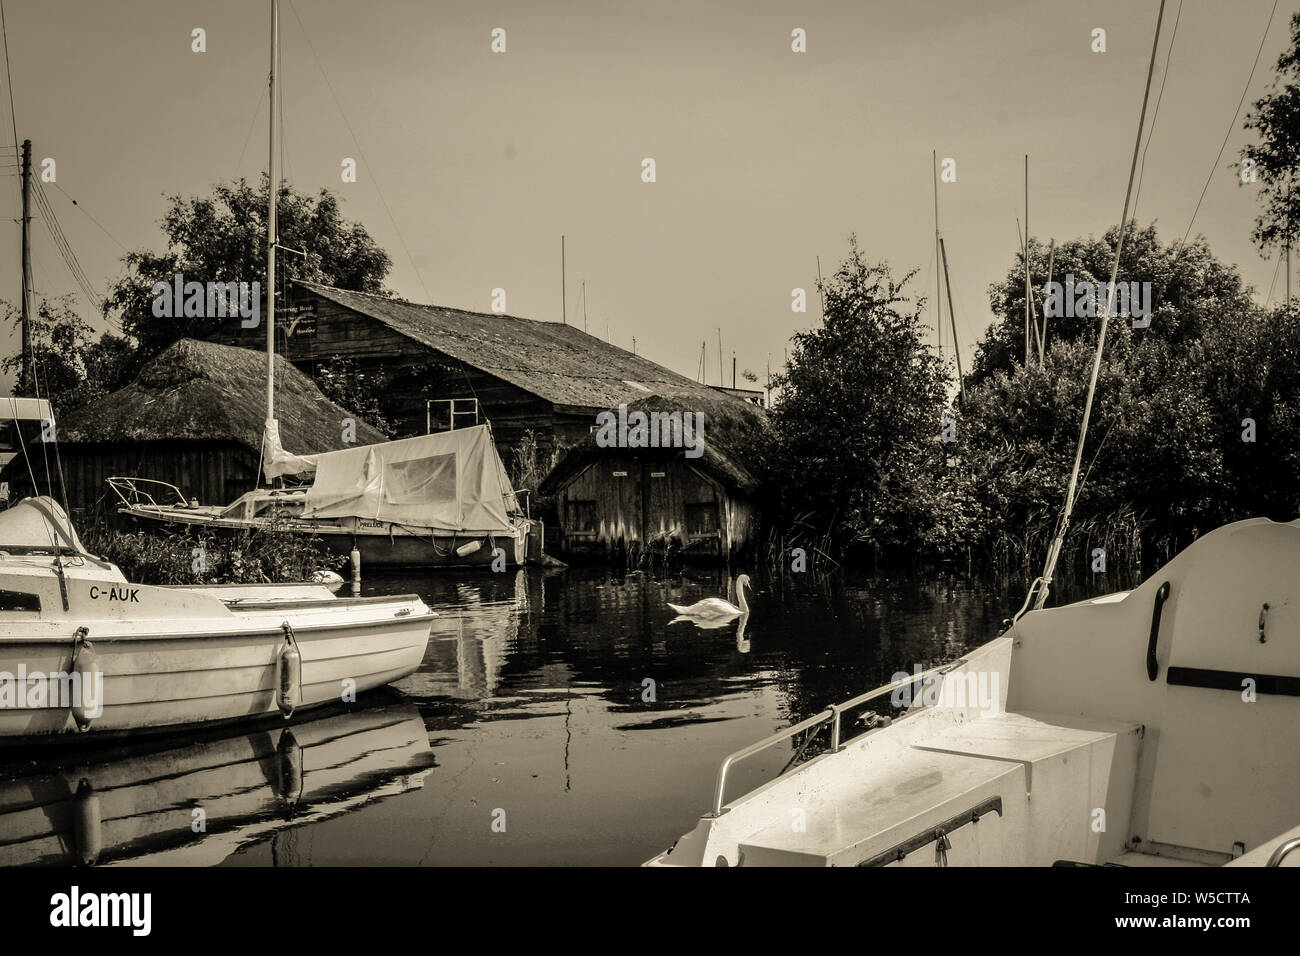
<point x="38" y="523"/>
<point x="450" y="481"/>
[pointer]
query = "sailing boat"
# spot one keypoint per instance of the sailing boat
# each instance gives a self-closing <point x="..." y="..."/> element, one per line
<point x="82" y="649"/>
<point x="1154" y="727"/>
<point x="432" y="500"/>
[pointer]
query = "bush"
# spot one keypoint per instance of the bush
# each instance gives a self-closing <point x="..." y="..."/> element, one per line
<point x="269" y="555"/>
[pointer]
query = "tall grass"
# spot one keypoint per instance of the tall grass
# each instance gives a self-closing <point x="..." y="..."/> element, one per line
<point x="266" y="555"/>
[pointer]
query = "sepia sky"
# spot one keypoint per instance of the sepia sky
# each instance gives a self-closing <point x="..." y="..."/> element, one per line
<point x="472" y="164"/>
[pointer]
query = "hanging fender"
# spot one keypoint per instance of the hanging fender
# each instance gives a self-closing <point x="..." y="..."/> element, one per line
<point x="289" y="690"/>
<point x="85" y="665"/>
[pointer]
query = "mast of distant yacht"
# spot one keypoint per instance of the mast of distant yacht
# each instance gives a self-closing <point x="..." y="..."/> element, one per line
<point x="272" y="185"/>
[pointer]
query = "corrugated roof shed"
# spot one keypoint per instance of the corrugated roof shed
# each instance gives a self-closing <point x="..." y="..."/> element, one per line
<point x="559" y="363"/>
<point x="203" y="390"/>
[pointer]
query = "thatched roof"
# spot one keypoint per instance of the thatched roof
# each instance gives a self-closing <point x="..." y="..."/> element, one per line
<point x="205" y="391"/>
<point x="731" y="431"/>
<point x="557" y="362"/>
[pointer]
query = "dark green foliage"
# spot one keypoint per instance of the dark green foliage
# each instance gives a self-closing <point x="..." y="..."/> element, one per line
<point x="343" y="382"/>
<point x="853" y="445"/>
<point x="72" y="369"/>
<point x="268" y="555"/>
<point x="1275" y="117"/>
<point x="222" y="238"/>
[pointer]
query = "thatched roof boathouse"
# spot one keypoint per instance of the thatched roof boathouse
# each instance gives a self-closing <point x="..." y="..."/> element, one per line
<point x="697" y="500"/>
<point x="194" y="418"/>
<point x="525" y="375"/>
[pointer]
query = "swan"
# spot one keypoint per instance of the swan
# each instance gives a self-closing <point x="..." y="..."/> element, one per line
<point x="715" y="609"/>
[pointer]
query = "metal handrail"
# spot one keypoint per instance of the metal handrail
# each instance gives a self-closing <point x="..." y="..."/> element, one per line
<point x="832" y="714"/>
<point x="1280" y="853"/>
<point x="138" y="496"/>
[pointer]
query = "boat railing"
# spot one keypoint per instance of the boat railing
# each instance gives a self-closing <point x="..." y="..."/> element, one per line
<point x="1282" y="852"/>
<point x="833" y="716"/>
<point x="133" y="492"/>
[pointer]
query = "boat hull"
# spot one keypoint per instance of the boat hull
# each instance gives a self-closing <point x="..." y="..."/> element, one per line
<point x="158" y="682"/>
<point x="380" y="546"/>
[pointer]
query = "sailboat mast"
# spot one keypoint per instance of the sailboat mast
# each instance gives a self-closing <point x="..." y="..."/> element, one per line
<point x="1054" y="551"/>
<point x="271" y="189"/>
<point x="938" y="290"/>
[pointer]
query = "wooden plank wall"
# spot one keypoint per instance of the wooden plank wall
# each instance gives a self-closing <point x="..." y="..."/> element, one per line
<point x="215" y="473"/>
<point x="413" y="373"/>
<point x="644" y="502"/>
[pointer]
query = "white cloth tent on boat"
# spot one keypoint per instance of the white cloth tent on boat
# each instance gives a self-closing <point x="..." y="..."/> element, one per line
<point x="450" y="481"/>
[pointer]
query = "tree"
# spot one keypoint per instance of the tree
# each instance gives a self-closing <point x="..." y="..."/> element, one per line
<point x="1276" y="157"/>
<point x="71" y="368"/>
<point x="854" y="439"/>
<point x="1187" y="284"/>
<point x="222" y="238"/>
<point x="1192" y="424"/>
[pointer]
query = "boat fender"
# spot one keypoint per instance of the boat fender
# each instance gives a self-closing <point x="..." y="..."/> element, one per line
<point x="86" y="664"/>
<point x="87" y="826"/>
<point x="467" y="549"/>
<point x="288" y="765"/>
<point x="355" y="558"/>
<point x="289" y="693"/>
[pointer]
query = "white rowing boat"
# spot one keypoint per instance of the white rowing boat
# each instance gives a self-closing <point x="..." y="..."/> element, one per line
<point x="81" y="648"/>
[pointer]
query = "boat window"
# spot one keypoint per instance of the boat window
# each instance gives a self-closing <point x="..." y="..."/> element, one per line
<point x="420" y="481"/>
<point x="267" y="507"/>
<point x="234" y="511"/>
<point x="19" y="601"/>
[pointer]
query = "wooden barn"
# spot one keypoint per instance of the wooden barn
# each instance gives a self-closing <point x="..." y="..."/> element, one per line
<point x="627" y="500"/>
<point x="523" y="375"/>
<point x="194" y="418"/>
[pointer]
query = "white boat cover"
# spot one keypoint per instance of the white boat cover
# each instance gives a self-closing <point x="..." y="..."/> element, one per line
<point x="449" y="481"/>
<point x="38" y="523"/>
<point x="276" y="461"/>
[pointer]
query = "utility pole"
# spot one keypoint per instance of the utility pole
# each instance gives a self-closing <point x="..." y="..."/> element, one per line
<point x="564" y="292"/>
<point x="733" y="370"/>
<point x="26" y="384"/>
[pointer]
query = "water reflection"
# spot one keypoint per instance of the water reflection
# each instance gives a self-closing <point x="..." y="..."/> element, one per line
<point x="197" y="803"/>
<point x="565" y="701"/>
<point x="571" y="724"/>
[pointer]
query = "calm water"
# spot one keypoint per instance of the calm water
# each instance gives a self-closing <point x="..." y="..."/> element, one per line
<point x="529" y="709"/>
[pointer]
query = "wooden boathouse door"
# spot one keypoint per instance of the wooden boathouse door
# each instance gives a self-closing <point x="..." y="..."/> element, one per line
<point x="656" y="499"/>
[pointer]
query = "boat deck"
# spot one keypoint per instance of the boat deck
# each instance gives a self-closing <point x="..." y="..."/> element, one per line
<point x="981" y="783"/>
